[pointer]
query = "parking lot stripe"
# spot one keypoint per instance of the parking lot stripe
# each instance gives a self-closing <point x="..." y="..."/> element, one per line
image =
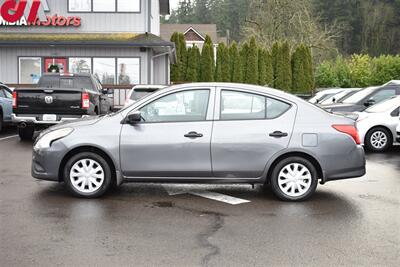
<point x="8" y="137"/>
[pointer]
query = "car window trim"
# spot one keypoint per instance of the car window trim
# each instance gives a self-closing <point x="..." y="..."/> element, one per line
<point x="244" y="91"/>
<point x="174" y="92"/>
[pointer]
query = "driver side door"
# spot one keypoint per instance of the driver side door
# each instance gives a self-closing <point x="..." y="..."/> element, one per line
<point x="173" y="138"/>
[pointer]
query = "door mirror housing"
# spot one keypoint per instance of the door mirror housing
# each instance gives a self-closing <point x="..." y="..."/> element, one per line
<point x="370" y="102"/>
<point x="133" y="118"/>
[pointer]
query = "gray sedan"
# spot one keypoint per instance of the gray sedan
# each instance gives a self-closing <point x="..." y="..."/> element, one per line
<point x="204" y="133"/>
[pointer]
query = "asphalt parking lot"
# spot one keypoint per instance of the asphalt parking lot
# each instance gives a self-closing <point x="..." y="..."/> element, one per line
<point x="347" y="223"/>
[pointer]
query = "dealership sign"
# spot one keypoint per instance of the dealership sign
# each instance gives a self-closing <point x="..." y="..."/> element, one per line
<point x="33" y="13"/>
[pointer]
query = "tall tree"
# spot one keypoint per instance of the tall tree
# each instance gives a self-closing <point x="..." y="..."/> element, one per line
<point x="262" y="67"/>
<point x="251" y="76"/>
<point x="244" y="53"/>
<point x="269" y="70"/>
<point x="283" y="70"/>
<point x="210" y="42"/>
<point x="175" y="74"/>
<point x="182" y="54"/>
<point x="206" y="64"/>
<point x="236" y="64"/>
<point x="298" y="63"/>
<point x="192" y="74"/>
<point x="222" y="69"/>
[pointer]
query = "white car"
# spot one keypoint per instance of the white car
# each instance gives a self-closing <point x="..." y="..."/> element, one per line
<point x="377" y="125"/>
<point x="339" y="97"/>
<point x="322" y="95"/>
<point x="140" y="91"/>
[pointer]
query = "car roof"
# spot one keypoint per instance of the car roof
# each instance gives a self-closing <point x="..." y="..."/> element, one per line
<point x="148" y="86"/>
<point x="81" y="74"/>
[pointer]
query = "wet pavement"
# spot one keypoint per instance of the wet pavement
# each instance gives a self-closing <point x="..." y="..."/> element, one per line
<point x="347" y="223"/>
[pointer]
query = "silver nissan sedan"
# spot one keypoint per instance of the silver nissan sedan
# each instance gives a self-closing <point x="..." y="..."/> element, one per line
<point x="204" y="133"/>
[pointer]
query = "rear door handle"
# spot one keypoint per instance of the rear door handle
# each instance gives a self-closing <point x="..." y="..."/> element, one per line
<point x="278" y="134"/>
<point x="193" y="135"/>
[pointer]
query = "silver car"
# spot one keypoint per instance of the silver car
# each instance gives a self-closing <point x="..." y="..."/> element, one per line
<point x="204" y="133"/>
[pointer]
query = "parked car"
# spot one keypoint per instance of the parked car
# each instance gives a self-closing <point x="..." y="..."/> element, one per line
<point x="140" y="91"/>
<point x="204" y="133"/>
<point x="58" y="98"/>
<point x="339" y="97"/>
<point x="5" y="105"/>
<point x="377" y="124"/>
<point x="366" y="98"/>
<point x="324" y="94"/>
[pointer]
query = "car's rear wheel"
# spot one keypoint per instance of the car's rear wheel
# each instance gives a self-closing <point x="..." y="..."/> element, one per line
<point x="87" y="175"/>
<point x="378" y="139"/>
<point x="294" y="179"/>
<point x="26" y="133"/>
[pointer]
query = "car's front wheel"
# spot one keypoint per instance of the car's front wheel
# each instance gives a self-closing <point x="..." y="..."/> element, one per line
<point x="87" y="175"/>
<point x="378" y="140"/>
<point x="294" y="179"/>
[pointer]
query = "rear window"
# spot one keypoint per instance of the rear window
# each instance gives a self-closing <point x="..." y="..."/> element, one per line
<point x="66" y="82"/>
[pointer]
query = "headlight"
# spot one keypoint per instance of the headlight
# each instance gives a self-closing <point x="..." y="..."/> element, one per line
<point x="46" y="140"/>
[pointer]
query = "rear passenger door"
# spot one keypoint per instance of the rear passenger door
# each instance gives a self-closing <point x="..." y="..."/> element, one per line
<point x="249" y="128"/>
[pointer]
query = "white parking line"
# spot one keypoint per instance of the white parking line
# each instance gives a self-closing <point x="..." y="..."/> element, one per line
<point x="174" y="190"/>
<point x="8" y="137"/>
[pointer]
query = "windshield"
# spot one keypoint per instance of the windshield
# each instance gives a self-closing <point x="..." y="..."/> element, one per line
<point x="386" y="105"/>
<point x="334" y="98"/>
<point x="359" y="96"/>
<point x="140" y="93"/>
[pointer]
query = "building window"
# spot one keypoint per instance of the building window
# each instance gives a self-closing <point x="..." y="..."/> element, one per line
<point x="104" y="70"/>
<point x="128" y="71"/>
<point x="80" y="5"/>
<point x="30" y="70"/>
<point x="104" y="6"/>
<point x="80" y="64"/>
<point x="128" y="6"/>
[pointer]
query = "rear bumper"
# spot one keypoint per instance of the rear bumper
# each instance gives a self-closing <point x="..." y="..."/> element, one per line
<point x="35" y="119"/>
<point x="354" y="167"/>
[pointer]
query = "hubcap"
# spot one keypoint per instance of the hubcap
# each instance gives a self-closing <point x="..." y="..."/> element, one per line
<point x="294" y="179"/>
<point x="86" y="175"/>
<point x="378" y="139"/>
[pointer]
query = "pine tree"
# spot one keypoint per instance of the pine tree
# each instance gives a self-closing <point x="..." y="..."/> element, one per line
<point x="225" y="64"/>
<point x="219" y="63"/>
<point x="210" y="42"/>
<point x="206" y="64"/>
<point x="262" y="67"/>
<point x="251" y="76"/>
<point x="175" y="75"/>
<point x="274" y="60"/>
<point x="283" y="69"/>
<point x="309" y="69"/>
<point x="183" y="55"/>
<point x="193" y="61"/>
<point x="298" y="77"/>
<point x="269" y="70"/>
<point x="244" y="52"/>
<point x="236" y="64"/>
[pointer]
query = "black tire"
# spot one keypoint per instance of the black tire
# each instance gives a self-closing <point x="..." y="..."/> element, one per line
<point x="371" y="146"/>
<point x="102" y="189"/>
<point x="276" y="189"/>
<point x="26" y="134"/>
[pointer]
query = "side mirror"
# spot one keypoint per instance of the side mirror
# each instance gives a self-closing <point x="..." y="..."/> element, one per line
<point x="133" y="118"/>
<point x="369" y="102"/>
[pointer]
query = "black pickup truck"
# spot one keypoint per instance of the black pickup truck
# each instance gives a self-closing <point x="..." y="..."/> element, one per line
<point x="58" y="98"/>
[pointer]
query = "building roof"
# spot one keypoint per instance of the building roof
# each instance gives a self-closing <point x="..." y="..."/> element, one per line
<point x="80" y="39"/>
<point x="203" y="29"/>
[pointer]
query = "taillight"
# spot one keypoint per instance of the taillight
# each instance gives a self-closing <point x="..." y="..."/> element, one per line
<point x="14" y="99"/>
<point x="85" y="101"/>
<point x="350" y="130"/>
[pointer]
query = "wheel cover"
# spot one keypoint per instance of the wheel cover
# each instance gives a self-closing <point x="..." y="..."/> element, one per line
<point x="86" y="176"/>
<point x="294" y="179"/>
<point x="379" y="139"/>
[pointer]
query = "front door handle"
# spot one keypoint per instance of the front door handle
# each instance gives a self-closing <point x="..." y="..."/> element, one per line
<point x="193" y="135"/>
<point x="278" y="134"/>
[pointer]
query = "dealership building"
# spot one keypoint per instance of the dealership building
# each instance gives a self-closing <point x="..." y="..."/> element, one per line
<point x="116" y="40"/>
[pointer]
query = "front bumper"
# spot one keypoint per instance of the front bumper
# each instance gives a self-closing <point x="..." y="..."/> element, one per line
<point x="36" y="119"/>
<point x="46" y="162"/>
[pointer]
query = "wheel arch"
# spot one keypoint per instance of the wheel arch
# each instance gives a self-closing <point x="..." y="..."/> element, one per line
<point x="92" y="149"/>
<point x="302" y="154"/>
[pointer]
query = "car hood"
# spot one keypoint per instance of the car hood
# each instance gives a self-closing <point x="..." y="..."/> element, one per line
<point x="75" y="123"/>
